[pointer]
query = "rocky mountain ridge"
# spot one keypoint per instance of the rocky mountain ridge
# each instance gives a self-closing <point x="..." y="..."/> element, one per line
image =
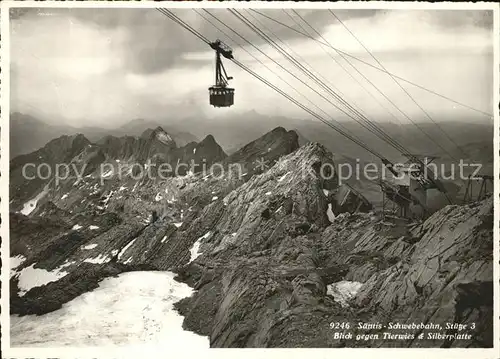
<point x="265" y="250"/>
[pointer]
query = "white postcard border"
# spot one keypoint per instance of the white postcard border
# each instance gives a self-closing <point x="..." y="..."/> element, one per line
<point x="147" y="352"/>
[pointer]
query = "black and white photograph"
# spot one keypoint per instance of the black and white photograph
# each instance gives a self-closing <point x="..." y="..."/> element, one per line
<point x="193" y="175"/>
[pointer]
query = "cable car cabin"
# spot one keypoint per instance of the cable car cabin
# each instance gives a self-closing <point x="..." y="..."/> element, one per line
<point x="221" y="96"/>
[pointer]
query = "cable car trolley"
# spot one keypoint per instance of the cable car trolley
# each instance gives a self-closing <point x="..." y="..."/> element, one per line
<point x="220" y="94"/>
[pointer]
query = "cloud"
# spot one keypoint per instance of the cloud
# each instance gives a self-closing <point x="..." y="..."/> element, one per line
<point x="153" y="43"/>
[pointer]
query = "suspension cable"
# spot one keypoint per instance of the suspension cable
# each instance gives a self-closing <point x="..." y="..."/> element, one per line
<point x="373" y="66"/>
<point x="398" y="83"/>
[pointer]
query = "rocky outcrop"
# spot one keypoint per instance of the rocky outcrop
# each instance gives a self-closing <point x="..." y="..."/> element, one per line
<point x="347" y="199"/>
<point x="438" y="272"/>
<point x="24" y="185"/>
<point x="450" y="264"/>
<point x="261" y="154"/>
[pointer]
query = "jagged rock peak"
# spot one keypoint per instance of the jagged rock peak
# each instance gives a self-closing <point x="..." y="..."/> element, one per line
<point x="159" y="134"/>
<point x="67" y="144"/>
<point x="209" y="139"/>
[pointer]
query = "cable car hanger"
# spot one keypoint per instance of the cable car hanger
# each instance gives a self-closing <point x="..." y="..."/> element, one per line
<point x="220" y="94"/>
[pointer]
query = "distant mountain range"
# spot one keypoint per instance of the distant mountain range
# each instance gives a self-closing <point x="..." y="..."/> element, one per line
<point x="28" y="133"/>
<point x="475" y="140"/>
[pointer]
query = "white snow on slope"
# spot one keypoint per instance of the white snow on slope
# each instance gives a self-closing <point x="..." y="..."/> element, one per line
<point x="195" y="249"/>
<point x="100" y="259"/>
<point x="283" y="177"/>
<point x="30" y="206"/>
<point x="90" y="246"/>
<point x="76" y="227"/>
<point x="178" y="224"/>
<point x="14" y="263"/>
<point x="126" y="247"/>
<point x="65" y="196"/>
<point x="158" y="197"/>
<point x="344" y="291"/>
<point x="133" y="309"/>
<point x="107" y="173"/>
<point x="31" y="277"/>
<point x="93" y="227"/>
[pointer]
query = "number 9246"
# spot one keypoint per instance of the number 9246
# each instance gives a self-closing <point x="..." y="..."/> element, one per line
<point x="340" y="325"/>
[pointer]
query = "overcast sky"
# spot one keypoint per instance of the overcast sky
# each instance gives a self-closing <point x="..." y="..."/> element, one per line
<point x="104" y="67"/>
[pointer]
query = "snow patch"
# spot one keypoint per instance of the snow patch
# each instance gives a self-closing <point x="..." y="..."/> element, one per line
<point x="64" y="197"/>
<point x="158" y="197"/>
<point x="283" y="177"/>
<point x="107" y="173"/>
<point x="134" y="308"/>
<point x="76" y="227"/>
<point x="326" y="192"/>
<point x="194" y="150"/>
<point x="268" y="193"/>
<point x="14" y="263"/>
<point x="215" y="198"/>
<point x="66" y="264"/>
<point x="90" y="246"/>
<point x="93" y="227"/>
<point x="178" y="224"/>
<point x="126" y="247"/>
<point x="31" y="277"/>
<point x="30" y="206"/>
<point x="122" y="188"/>
<point x="343" y="291"/>
<point x="100" y="259"/>
<point x="106" y="200"/>
<point x="329" y="213"/>
<point x="195" y="249"/>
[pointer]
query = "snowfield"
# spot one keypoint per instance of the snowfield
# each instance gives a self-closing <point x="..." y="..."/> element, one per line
<point x="134" y="308"/>
<point x="31" y="277"/>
